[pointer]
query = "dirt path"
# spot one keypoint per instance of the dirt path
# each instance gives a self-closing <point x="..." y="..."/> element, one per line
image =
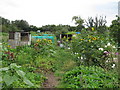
<point x="51" y="81"/>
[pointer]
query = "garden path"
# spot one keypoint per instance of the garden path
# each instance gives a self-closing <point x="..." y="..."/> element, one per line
<point x="51" y="81"/>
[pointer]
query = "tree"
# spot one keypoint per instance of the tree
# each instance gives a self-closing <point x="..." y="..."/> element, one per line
<point x="79" y="22"/>
<point x="13" y="28"/>
<point x="6" y="25"/>
<point x="98" y="23"/>
<point x="21" y="24"/>
<point x="33" y="28"/>
<point x="115" y="29"/>
<point x="4" y="21"/>
<point x="50" y="28"/>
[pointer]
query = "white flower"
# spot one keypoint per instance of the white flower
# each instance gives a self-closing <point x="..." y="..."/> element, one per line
<point x="61" y="45"/>
<point x="107" y="61"/>
<point x="113" y="65"/>
<point x="114" y="47"/>
<point x="101" y="49"/>
<point x="115" y="58"/>
<point x="78" y="57"/>
<point x="81" y="57"/>
<point x="69" y="48"/>
<point x="105" y="45"/>
<point x="108" y="44"/>
<point x="76" y="53"/>
<point x="105" y="52"/>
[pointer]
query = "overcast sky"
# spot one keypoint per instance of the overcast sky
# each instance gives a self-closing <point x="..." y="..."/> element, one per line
<point x="44" y="12"/>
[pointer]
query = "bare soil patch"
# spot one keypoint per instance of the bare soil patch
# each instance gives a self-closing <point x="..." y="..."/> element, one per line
<point x="51" y="81"/>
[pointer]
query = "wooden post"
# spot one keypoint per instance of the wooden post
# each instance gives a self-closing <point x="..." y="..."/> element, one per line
<point x="60" y="37"/>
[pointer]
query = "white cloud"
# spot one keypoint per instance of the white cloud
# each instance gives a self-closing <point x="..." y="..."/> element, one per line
<point x="43" y="12"/>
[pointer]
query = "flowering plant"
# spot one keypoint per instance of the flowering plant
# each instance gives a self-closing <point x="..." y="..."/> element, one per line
<point x="94" y="48"/>
<point x="44" y="46"/>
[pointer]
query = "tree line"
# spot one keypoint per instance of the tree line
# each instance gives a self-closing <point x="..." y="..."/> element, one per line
<point x="98" y="23"/>
<point x="19" y="25"/>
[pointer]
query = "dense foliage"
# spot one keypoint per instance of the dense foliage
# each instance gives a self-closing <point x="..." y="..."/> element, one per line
<point x="94" y="48"/>
<point x="115" y="30"/>
<point x="88" y="60"/>
<point x="90" y="77"/>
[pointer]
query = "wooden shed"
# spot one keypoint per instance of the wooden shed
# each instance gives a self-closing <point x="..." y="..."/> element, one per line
<point x="69" y="34"/>
<point x="19" y="39"/>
